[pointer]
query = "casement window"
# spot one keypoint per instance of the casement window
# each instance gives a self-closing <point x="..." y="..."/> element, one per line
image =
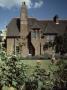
<point x="33" y="33"/>
<point x="50" y="38"/>
<point x="17" y="49"/>
<point x="38" y="33"/>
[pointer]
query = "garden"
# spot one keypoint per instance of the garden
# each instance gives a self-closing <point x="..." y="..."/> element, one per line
<point x="18" y="74"/>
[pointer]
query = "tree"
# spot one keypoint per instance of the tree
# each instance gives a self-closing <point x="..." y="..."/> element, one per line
<point x="60" y="44"/>
<point x="3" y="66"/>
<point x="65" y="42"/>
<point x="41" y="77"/>
<point x="12" y="71"/>
<point x="57" y="71"/>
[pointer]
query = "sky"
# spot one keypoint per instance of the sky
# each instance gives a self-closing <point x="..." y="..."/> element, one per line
<point x="40" y="9"/>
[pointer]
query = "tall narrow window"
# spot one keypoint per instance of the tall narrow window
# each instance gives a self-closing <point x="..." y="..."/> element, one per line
<point x="17" y="49"/>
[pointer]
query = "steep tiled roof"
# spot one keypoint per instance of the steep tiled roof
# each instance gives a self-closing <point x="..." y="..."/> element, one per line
<point x="48" y="26"/>
<point x="13" y="27"/>
<point x="55" y="28"/>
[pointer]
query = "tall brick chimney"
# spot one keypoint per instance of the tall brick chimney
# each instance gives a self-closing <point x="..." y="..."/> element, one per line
<point x="24" y="30"/>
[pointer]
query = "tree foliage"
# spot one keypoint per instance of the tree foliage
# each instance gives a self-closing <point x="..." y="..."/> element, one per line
<point x="57" y="70"/>
<point x="60" y="43"/>
<point x="12" y="71"/>
<point x="41" y="76"/>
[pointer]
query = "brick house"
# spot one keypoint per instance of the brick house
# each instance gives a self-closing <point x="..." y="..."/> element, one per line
<point x="27" y="35"/>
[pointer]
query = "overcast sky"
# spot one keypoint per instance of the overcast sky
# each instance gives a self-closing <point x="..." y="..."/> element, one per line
<point x="41" y="9"/>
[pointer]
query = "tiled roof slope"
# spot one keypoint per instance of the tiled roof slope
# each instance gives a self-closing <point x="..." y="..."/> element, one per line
<point x="48" y="26"/>
<point x="13" y="27"/>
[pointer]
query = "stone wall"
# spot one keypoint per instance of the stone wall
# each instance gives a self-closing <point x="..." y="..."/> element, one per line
<point x="11" y="45"/>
